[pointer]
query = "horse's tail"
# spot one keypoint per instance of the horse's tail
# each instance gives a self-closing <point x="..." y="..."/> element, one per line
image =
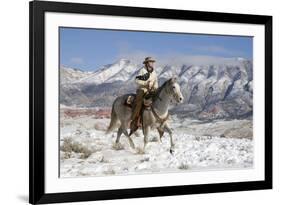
<point x="113" y="121"/>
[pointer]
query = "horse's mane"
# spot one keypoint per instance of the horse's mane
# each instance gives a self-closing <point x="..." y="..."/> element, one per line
<point x="158" y="90"/>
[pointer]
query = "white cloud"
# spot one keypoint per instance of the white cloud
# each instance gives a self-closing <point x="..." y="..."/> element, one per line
<point x="213" y="55"/>
<point x="212" y="48"/>
<point x="177" y="58"/>
<point x="218" y="50"/>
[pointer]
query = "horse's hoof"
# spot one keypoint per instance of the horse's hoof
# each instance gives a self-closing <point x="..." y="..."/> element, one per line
<point x="118" y="146"/>
<point x="139" y="151"/>
<point x="137" y="134"/>
<point x="133" y="146"/>
<point x="172" y="151"/>
<point x="131" y="143"/>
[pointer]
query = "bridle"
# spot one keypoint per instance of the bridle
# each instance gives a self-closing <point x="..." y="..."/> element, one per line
<point x="171" y="93"/>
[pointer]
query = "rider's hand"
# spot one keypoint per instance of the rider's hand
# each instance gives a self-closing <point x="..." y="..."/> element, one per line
<point x="150" y="84"/>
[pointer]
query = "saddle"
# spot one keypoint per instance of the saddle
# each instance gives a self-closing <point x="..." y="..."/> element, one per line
<point x="131" y="102"/>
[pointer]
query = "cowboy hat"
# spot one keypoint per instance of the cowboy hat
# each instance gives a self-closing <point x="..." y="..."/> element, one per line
<point x="148" y="59"/>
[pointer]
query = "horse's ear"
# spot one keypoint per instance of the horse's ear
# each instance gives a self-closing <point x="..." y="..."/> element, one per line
<point x="173" y="79"/>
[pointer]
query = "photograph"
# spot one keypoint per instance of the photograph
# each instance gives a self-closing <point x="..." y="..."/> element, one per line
<point x="149" y="102"/>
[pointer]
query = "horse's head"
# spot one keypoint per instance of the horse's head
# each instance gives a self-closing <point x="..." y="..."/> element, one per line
<point x="174" y="90"/>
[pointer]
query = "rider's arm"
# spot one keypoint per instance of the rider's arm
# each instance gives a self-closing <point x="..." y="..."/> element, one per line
<point x="139" y="81"/>
<point x="155" y="83"/>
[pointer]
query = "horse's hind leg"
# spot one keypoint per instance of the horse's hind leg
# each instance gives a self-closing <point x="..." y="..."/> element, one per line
<point x="172" y="148"/>
<point x="131" y="142"/>
<point x="119" y="133"/>
<point x="117" y="144"/>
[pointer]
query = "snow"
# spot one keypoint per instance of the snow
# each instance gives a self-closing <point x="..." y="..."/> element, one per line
<point x="124" y="70"/>
<point x="72" y="75"/>
<point x="125" y="73"/>
<point x="105" y="72"/>
<point x="93" y="153"/>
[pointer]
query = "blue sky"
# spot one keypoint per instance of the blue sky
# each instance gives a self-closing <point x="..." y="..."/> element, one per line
<point x="89" y="49"/>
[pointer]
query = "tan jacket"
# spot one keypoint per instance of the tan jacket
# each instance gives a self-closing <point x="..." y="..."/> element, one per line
<point x="143" y="84"/>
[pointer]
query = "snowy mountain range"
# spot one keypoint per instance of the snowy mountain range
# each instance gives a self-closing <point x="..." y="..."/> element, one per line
<point x="211" y="91"/>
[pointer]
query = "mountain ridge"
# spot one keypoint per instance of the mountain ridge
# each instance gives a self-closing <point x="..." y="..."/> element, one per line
<point x="211" y="91"/>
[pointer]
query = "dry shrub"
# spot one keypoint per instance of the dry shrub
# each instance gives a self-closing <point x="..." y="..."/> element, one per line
<point x="183" y="166"/>
<point x="109" y="172"/>
<point x="69" y="146"/>
<point x="82" y="173"/>
<point x="65" y="155"/>
<point x="146" y="159"/>
<point x="103" y="160"/>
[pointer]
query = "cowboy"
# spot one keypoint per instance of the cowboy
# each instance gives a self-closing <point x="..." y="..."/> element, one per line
<point x="146" y="81"/>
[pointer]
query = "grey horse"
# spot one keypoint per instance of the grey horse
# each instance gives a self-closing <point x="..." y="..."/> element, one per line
<point x="155" y="117"/>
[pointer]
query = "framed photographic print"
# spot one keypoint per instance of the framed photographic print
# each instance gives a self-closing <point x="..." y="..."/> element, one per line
<point x="130" y="102"/>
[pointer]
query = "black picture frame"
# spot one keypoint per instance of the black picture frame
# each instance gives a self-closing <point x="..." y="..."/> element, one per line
<point x="37" y="194"/>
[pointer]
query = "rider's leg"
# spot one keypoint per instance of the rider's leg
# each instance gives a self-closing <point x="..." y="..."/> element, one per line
<point x="136" y="111"/>
<point x="137" y="107"/>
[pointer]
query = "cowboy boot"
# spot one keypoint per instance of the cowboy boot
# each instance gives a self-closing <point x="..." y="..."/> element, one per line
<point x="136" y="123"/>
<point x="139" y="121"/>
<point x="133" y="126"/>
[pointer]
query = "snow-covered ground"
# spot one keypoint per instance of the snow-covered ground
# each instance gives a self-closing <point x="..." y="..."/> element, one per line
<point x="87" y="151"/>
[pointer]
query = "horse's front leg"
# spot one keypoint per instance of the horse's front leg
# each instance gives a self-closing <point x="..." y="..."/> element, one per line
<point x="168" y="129"/>
<point x="160" y="132"/>
<point x="146" y="131"/>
